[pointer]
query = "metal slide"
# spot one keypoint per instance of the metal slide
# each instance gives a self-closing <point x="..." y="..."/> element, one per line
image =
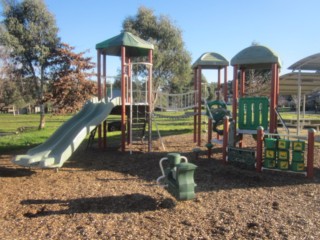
<point x="60" y="146"/>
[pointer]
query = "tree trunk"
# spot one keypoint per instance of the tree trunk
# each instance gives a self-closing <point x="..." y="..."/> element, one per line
<point x="42" y="113"/>
<point x="42" y="118"/>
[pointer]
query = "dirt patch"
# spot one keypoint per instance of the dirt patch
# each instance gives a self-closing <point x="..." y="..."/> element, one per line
<point x="113" y="195"/>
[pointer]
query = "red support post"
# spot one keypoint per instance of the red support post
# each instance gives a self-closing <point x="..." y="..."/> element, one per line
<point x="226" y="124"/>
<point x="310" y="154"/>
<point x="209" y="136"/>
<point x="104" y="95"/>
<point x="219" y="83"/>
<point x="150" y="101"/>
<point x="260" y="135"/>
<point x="199" y="106"/>
<point x="225" y="86"/>
<point x="242" y="82"/>
<point x="235" y="93"/>
<point x="123" y="99"/>
<point x="99" y="73"/>
<point x="273" y="92"/>
<point x="242" y="91"/>
<point x="277" y="94"/>
<point x="104" y="73"/>
<point x="99" y="94"/>
<point x="195" y="72"/>
<point x="235" y="97"/>
<point x="129" y="100"/>
<point x="209" y="130"/>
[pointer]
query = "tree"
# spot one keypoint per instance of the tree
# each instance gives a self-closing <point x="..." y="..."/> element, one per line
<point x="171" y="62"/>
<point x="256" y="79"/>
<point x="29" y="31"/>
<point x="70" y="87"/>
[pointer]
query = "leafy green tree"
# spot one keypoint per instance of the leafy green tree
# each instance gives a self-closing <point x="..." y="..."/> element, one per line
<point x="70" y="87"/>
<point x="171" y="61"/>
<point x="11" y="94"/>
<point x="30" y="32"/>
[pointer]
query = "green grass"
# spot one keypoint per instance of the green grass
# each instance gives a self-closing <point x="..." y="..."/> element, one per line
<point x="23" y="130"/>
<point x="25" y="134"/>
<point x="293" y="115"/>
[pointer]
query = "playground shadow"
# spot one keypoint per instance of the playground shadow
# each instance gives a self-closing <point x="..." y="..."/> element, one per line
<point x="15" y="172"/>
<point x="112" y="204"/>
<point x="210" y="175"/>
<point x="215" y="176"/>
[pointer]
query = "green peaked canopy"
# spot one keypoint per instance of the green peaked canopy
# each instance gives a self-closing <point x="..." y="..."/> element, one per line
<point x="135" y="46"/>
<point x="211" y="60"/>
<point x="256" y="56"/>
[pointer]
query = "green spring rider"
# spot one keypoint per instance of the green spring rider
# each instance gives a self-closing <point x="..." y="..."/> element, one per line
<point x="178" y="177"/>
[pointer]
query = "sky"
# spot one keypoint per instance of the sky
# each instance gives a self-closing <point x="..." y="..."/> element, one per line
<point x="288" y="27"/>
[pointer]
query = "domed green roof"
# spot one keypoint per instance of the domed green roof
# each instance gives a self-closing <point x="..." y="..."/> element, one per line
<point x="211" y="60"/>
<point x="256" y="56"/>
<point x="135" y="46"/>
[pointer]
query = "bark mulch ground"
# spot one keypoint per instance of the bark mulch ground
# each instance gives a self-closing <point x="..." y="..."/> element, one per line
<point x="113" y="195"/>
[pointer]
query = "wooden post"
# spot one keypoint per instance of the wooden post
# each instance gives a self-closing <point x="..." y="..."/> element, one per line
<point x="310" y="154"/>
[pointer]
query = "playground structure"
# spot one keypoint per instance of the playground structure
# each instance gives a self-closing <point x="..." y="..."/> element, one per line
<point x="252" y="113"/>
<point x="248" y="114"/>
<point x="127" y="46"/>
<point x="63" y="143"/>
<point x="213" y="61"/>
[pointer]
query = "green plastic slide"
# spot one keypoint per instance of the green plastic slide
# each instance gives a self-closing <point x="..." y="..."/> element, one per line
<point x="59" y="147"/>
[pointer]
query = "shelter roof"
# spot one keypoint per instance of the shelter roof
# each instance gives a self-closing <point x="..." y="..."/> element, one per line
<point x="256" y="56"/>
<point x="289" y="83"/>
<point x="135" y="46"/>
<point x="311" y="62"/>
<point x="211" y="60"/>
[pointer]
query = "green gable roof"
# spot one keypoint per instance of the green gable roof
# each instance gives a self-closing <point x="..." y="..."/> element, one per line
<point x="211" y="60"/>
<point x="135" y="46"/>
<point x="256" y="56"/>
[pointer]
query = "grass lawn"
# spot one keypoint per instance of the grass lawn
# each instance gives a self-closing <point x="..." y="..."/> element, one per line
<point x="23" y="130"/>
